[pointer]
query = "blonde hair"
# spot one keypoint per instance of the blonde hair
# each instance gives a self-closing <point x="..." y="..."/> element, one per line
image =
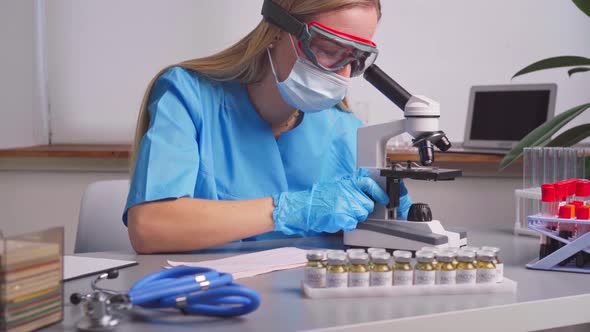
<point x="246" y="60"/>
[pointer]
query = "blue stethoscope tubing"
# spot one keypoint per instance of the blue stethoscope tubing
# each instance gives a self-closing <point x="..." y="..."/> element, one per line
<point x="184" y="285"/>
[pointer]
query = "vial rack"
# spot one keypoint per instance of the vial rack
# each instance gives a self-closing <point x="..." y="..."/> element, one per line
<point x="572" y="246"/>
<point x="506" y="286"/>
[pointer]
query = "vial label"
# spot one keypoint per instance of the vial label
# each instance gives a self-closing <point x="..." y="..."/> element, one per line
<point x="337" y="280"/>
<point x="499" y="272"/>
<point x="466" y="276"/>
<point x="381" y="279"/>
<point x="424" y="277"/>
<point x="403" y="278"/>
<point x="447" y="277"/>
<point x="486" y="276"/>
<point x="315" y="278"/>
<point x="356" y="279"/>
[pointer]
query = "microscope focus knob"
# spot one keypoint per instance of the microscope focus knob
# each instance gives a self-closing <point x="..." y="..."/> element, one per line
<point x="420" y="212"/>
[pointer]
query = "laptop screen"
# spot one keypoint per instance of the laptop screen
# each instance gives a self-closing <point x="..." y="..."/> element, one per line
<point x="508" y="115"/>
<point x="503" y="116"/>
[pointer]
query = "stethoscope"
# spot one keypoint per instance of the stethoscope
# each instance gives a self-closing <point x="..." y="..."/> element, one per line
<point x="192" y="290"/>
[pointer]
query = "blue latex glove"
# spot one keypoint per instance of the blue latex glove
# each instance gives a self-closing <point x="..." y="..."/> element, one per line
<point x="328" y="207"/>
<point x="405" y="201"/>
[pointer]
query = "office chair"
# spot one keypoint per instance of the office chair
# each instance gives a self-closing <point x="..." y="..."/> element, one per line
<point x="99" y="226"/>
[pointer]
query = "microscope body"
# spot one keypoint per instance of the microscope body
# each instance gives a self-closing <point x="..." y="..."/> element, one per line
<point x="421" y="120"/>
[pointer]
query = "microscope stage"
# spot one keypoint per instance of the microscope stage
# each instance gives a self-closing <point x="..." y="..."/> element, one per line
<point x="422" y="173"/>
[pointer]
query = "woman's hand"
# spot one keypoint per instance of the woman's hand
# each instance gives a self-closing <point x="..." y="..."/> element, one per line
<point x="328" y="207"/>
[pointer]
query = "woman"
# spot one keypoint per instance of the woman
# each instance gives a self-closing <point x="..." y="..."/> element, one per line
<point x="257" y="140"/>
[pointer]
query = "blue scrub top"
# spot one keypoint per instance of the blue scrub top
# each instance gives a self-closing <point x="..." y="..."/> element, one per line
<point x="206" y="140"/>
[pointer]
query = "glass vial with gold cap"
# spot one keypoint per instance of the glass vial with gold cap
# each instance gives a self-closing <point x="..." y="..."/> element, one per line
<point x="497" y="262"/>
<point x="371" y="251"/>
<point x="435" y="261"/>
<point x="447" y="274"/>
<point x="424" y="271"/>
<point x="337" y="272"/>
<point x="486" y="269"/>
<point x="358" y="272"/>
<point x="474" y="249"/>
<point x="315" y="270"/>
<point x="403" y="273"/>
<point x="466" y="269"/>
<point x="455" y="251"/>
<point x="381" y="274"/>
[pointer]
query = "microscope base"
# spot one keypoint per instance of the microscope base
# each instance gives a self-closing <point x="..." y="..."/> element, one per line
<point x="406" y="235"/>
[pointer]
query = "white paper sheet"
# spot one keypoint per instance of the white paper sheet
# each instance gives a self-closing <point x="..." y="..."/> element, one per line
<point x="249" y="265"/>
<point x="79" y="266"/>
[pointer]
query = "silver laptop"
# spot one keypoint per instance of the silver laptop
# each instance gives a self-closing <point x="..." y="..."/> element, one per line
<point x="499" y="116"/>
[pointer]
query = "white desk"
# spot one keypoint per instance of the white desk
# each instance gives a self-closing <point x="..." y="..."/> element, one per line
<point x="544" y="299"/>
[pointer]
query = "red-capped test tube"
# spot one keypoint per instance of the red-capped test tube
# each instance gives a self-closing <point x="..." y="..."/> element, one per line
<point x="561" y="192"/>
<point x="549" y="202"/>
<point x="571" y="189"/>
<point x="582" y="214"/>
<point x="583" y="191"/>
<point x="549" y="207"/>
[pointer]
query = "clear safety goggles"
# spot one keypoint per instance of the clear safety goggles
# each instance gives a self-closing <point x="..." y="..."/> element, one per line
<point x="327" y="48"/>
<point x="333" y="50"/>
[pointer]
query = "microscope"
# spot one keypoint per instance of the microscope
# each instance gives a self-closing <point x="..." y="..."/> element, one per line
<point x="382" y="228"/>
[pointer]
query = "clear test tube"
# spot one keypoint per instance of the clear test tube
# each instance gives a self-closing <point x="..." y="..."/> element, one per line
<point x="559" y="164"/>
<point x="534" y="177"/>
<point x="536" y="167"/>
<point x="570" y="163"/>
<point x="581" y="162"/>
<point x="529" y="178"/>
<point x="548" y="160"/>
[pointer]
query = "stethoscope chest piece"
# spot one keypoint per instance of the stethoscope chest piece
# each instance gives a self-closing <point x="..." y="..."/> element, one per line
<point x="98" y="316"/>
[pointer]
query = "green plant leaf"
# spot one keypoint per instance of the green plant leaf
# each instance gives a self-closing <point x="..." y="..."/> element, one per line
<point x="542" y="133"/>
<point x="577" y="70"/>
<point x="584" y="6"/>
<point x="571" y="136"/>
<point x="556" y="62"/>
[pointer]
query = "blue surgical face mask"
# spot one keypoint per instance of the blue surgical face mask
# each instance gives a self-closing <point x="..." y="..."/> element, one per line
<point x="310" y="89"/>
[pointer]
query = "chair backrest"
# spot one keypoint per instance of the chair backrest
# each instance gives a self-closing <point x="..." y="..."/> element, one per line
<point x="99" y="226"/>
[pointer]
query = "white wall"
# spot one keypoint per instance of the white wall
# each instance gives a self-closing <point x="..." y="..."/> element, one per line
<point x="102" y="54"/>
<point x="441" y="48"/>
<point x="22" y="108"/>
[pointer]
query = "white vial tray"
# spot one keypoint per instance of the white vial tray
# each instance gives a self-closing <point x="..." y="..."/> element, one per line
<point x="506" y="286"/>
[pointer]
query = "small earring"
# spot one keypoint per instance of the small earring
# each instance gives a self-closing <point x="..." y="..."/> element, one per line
<point x="271" y="46"/>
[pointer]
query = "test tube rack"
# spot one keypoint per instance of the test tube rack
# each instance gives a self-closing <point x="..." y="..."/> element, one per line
<point x="572" y="246"/>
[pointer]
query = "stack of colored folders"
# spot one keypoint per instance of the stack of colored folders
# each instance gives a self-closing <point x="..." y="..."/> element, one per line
<point x="31" y="277"/>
